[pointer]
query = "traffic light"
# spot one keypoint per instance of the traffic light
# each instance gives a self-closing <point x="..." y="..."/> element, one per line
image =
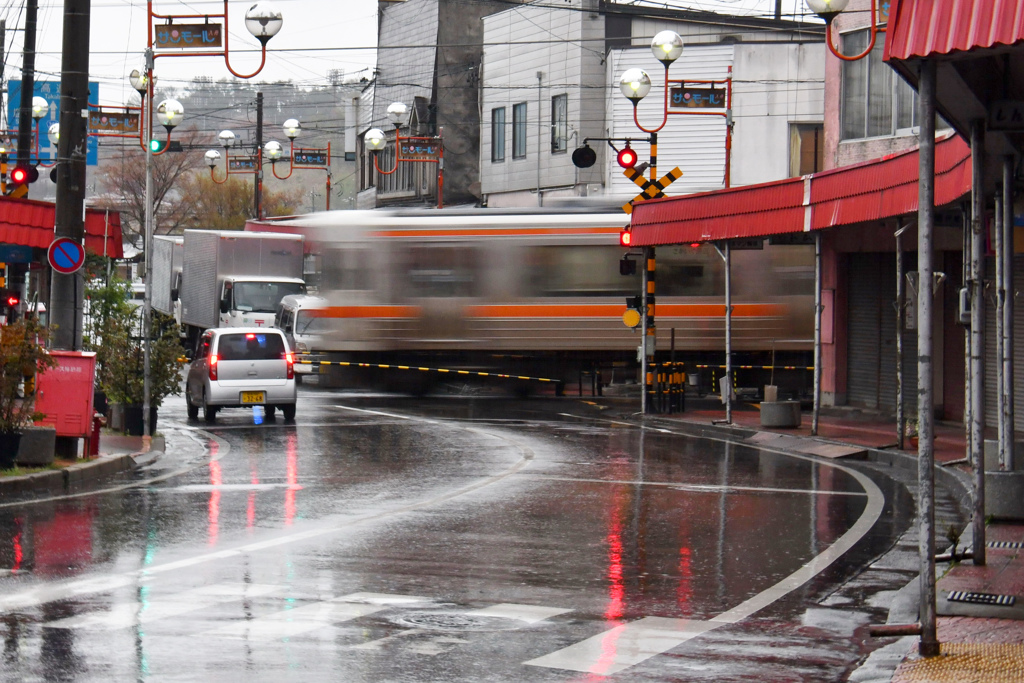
<point x="584" y="157"/>
<point x="625" y="238"/>
<point x="10" y="299"/>
<point x="160" y="145"/>
<point x="157" y="146"/>
<point x="627" y="266"/>
<point x="627" y="157"/>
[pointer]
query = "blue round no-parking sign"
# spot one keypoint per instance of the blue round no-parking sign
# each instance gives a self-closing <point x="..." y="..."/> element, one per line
<point x="65" y="255"/>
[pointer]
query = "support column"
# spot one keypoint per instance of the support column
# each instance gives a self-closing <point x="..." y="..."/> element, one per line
<point x="976" y="445"/>
<point x="929" y="645"/>
<point x="901" y="315"/>
<point x="817" y="334"/>
<point x="728" y="334"/>
<point x="1008" y="462"/>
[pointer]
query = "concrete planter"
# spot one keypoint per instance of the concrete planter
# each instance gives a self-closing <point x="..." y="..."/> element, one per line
<point x="37" y="446"/>
<point x="780" y="414"/>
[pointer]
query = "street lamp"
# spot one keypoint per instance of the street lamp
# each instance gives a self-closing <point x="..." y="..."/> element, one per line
<point x="667" y="47"/>
<point x="309" y="158"/>
<point x="830" y="9"/>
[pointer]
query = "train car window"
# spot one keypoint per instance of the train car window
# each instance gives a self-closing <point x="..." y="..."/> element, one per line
<point x="440" y="271"/>
<point x="346" y="269"/>
<point x="577" y="271"/>
<point x="689" y="271"/>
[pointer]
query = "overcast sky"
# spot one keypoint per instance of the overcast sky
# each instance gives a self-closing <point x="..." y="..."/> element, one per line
<point x="318" y="35"/>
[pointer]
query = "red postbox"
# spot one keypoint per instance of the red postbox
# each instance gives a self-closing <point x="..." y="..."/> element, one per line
<point x="64" y="393"/>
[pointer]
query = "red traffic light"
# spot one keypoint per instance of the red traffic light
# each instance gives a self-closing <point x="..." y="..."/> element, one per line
<point x="13" y="301"/>
<point x="625" y="238"/>
<point x="22" y="175"/>
<point x="627" y="157"/>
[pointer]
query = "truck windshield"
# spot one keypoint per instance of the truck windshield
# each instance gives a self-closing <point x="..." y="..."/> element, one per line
<point x="263" y="297"/>
<point x="307" y="322"/>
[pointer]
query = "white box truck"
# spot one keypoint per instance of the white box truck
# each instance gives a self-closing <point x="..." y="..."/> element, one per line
<point x="232" y="278"/>
<point x="168" y="257"/>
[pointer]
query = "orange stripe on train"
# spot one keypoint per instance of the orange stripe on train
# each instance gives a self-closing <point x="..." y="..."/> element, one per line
<point x="561" y="311"/>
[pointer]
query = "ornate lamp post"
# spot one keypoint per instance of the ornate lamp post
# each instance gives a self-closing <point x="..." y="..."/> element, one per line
<point x="830" y="9"/>
<point x="411" y="149"/>
<point x="309" y="158"/>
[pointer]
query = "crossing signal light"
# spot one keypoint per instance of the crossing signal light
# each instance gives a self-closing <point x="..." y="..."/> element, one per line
<point x="627" y="157"/>
<point x="23" y="175"/>
<point x="625" y="238"/>
<point x="584" y="157"/>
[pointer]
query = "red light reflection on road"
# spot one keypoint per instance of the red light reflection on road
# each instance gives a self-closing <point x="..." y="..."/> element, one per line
<point x="250" y="508"/>
<point x="214" y="507"/>
<point x="684" y="592"/>
<point x="616" y="588"/>
<point x="18" y="554"/>
<point x="292" y="477"/>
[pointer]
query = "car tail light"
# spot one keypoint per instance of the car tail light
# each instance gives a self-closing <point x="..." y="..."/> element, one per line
<point x="213" y="367"/>
<point x="290" y="359"/>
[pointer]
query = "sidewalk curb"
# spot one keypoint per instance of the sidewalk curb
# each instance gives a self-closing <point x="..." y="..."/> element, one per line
<point x="78" y="476"/>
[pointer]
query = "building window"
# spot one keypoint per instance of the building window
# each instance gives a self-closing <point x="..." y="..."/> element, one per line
<point x="559" y="123"/>
<point x="498" y="134"/>
<point x="876" y="101"/>
<point x="806" y="148"/>
<point x="519" y="131"/>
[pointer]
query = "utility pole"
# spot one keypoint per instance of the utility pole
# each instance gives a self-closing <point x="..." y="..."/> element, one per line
<point x="28" y="83"/>
<point x="66" y="292"/>
<point x="258" y="200"/>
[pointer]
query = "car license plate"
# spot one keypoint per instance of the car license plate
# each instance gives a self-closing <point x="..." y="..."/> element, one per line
<point x="253" y="397"/>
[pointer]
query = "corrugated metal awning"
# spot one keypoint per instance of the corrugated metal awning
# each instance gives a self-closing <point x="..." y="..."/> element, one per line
<point x="924" y="28"/>
<point x="873" y="190"/>
<point x="30" y="223"/>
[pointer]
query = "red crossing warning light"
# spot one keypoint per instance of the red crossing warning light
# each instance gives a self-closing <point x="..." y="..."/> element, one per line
<point x="627" y="157"/>
<point x="625" y="237"/>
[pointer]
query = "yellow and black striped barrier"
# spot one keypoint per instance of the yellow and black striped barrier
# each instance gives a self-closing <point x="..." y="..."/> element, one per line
<point x="387" y="366"/>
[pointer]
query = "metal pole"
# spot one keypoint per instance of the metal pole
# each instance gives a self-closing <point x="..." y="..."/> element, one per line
<point x="540" y="131"/>
<point x="901" y="311"/>
<point x="643" y="338"/>
<point x="728" y="333"/>
<point x="1000" y="282"/>
<point x="966" y="275"/>
<point x="929" y="646"/>
<point x="147" y="306"/>
<point x="977" y="347"/>
<point x="817" y="335"/>
<point x="1007" y="387"/>
<point x="258" y="199"/>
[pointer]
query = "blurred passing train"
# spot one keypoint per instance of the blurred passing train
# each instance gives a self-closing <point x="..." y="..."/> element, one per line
<point x="538" y="293"/>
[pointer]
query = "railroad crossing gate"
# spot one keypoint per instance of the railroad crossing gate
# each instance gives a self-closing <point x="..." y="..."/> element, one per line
<point x="651" y="189"/>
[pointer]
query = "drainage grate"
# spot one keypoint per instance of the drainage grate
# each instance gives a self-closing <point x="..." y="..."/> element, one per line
<point x="1012" y="545"/>
<point x="981" y="598"/>
<point x="451" y="621"/>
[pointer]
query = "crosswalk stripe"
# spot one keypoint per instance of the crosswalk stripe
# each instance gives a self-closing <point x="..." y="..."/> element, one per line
<point x="129" y="614"/>
<point x="625" y="646"/>
<point x="293" y="622"/>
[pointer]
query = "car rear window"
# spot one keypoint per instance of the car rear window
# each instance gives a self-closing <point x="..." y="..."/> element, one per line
<point x="251" y="346"/>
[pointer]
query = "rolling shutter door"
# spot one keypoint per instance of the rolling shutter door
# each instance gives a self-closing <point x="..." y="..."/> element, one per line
<point x="863" y="357"/>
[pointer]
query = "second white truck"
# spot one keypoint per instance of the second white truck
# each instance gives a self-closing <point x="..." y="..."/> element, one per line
<point x="232" y="278"/>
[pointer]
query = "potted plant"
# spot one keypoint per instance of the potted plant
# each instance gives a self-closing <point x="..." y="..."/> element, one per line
<point x="22" y="355"/>
<point x="115" y="333"/>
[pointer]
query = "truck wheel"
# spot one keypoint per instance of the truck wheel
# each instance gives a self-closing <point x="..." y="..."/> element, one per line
<point x="193" y="409"/>
<point x="209" y="412"/>
<point x="288" y="411"/>
<point x="269" y="411"/>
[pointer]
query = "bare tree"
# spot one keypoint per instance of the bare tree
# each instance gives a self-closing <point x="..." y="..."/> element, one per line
<point x="124" y="178"/>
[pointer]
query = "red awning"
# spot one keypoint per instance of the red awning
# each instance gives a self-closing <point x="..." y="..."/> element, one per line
<point x="30" y="223"/>
<point x="921" y="28"/>
<point x="873" y="190"/>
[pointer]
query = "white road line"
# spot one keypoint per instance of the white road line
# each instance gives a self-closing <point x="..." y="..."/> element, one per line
<point x="698" y="488"/>
<point x="129" y="614"/>
<point x="531" y="614"/>
<point x="293" y="622"/>
<point x="630" y="644"/>
<point x="624" y="646"/>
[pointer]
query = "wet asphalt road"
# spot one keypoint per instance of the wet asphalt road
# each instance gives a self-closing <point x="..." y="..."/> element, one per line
<point x="395" y="539"/>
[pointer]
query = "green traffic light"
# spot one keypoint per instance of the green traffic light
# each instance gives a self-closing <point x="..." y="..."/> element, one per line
<point x="156" y="145"/>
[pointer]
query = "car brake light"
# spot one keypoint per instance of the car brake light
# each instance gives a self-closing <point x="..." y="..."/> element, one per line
<point x="213" y="367"/>
<point x="290" y="359"/>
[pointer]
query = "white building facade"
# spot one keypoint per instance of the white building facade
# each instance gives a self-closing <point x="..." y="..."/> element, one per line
<point x="550" y="80"/>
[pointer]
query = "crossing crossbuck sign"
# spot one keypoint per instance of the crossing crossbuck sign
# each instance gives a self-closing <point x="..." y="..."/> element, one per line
<point x="652" y="189"/>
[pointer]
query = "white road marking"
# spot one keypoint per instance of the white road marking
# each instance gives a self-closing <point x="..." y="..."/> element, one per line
<point x="700" y="488"/>
<point x="293" y="622"/>
<point x="125" y="615"/>
<point x="624" y="646"/>
<point x="531" y="614"/>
